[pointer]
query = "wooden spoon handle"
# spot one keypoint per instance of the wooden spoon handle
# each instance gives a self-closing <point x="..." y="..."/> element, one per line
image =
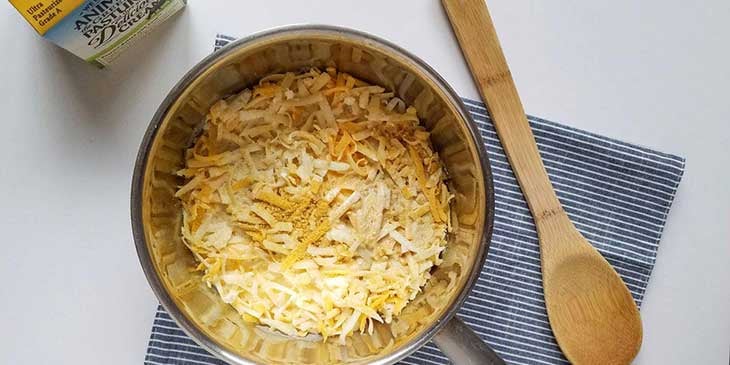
<point x="478" y="40"/>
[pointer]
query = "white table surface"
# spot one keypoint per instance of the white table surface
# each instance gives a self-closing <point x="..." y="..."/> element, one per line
<point x="651" y="72"/>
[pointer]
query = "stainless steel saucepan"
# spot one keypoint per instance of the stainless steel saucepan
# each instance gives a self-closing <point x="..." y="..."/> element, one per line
<point x="156" y="214"/>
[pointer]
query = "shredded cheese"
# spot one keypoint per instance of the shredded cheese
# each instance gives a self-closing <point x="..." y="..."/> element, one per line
<point x="314" y="204"/>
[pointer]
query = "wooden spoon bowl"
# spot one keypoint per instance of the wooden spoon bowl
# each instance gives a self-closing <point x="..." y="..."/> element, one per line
<point x="592" y="314"/>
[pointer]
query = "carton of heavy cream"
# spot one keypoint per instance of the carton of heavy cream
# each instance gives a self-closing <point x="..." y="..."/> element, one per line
<point x="96" y="30"/>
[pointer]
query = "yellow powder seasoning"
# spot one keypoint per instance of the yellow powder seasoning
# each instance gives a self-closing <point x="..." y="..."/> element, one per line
<point x="298" y="212"/>
<point x="96" y="30"/>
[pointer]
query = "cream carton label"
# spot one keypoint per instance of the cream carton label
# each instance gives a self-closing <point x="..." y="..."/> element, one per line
<point x="96" y="30"/>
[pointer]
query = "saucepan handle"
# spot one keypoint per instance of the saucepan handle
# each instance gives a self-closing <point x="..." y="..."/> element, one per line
<point x="463" y="346"/>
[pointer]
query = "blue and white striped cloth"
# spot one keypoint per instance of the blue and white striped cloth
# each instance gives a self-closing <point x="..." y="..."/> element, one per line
<point x="617" y="194"/>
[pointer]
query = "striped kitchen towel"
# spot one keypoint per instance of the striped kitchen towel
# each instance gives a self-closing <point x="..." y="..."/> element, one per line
<point x="617" y="194"/>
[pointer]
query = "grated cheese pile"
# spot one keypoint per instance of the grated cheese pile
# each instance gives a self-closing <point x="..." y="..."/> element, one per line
<point x="315" y="204"/>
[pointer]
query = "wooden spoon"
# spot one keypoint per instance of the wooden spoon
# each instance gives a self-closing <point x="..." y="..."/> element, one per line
<point x="592" y="314"/>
